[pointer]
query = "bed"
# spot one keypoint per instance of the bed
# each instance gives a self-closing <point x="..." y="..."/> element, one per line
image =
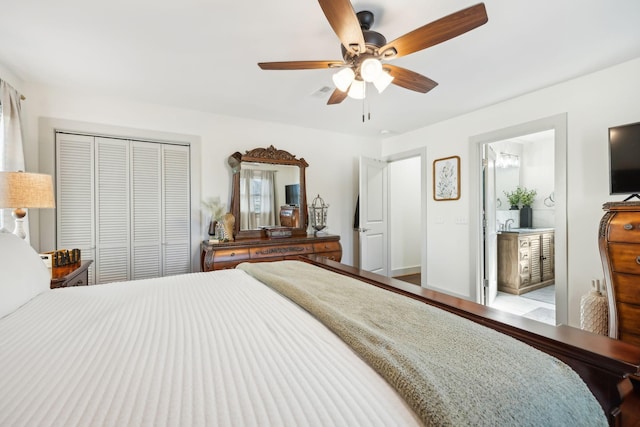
<point x="307" y="342"/>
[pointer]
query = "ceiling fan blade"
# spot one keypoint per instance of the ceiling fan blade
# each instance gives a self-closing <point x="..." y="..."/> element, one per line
<point x="345" y="24"/>
<point x="337" y="97"/>
<point x="299" y="65"/>
<point x="409" y="79"/>
<point x="436" y="32"/>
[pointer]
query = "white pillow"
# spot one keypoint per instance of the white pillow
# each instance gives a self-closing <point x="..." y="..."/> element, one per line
<point x="23" y="275"/>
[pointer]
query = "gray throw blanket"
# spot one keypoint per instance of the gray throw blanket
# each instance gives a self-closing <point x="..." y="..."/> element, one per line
<point x="451" y="371"/>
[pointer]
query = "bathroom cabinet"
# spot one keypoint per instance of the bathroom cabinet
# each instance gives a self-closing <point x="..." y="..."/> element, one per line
<point x="525" y="260"/>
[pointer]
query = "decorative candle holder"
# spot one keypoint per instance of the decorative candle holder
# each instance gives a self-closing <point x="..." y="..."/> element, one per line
<point x="318" y="214"/>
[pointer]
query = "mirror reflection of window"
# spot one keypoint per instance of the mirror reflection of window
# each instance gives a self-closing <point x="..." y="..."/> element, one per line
<point x="257" y="198"/>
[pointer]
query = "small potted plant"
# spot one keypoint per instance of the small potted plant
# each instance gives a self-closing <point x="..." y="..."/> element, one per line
<point x="526" y="213"/>
<point x="527" y="197"/>
<point x="514" y="198"/>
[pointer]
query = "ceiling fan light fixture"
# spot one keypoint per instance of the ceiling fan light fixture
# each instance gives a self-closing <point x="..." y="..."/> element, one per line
<point x="370" y="69"/>
<point x="357" y="89"/>
<point x="383" y="81"/>
<point x="343" y="79"/>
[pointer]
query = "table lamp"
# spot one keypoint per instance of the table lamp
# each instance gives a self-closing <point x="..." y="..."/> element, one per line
<point x="21" y="190"/>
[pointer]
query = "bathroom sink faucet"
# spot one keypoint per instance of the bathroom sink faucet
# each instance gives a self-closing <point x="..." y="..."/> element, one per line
<point x="507" y="224"/>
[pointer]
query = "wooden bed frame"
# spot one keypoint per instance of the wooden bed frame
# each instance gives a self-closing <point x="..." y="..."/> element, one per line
<point x="607" y="366"/>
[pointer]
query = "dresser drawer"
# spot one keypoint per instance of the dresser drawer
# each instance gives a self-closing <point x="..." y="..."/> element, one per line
<point x="327" y="247"/>
<point x="627" y="288"/>
<point x="230" y="256"/>
<point x="629" y="318"/>
<point x="625" y="258"/>
<point x="625" y="227"/>
<point x="280" y="251"/>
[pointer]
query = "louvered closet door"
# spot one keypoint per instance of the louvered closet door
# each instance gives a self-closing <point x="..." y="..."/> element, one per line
<point x="176" y="214"/>
<point x="112" y="210"/>
<point x="146" y="205"/>
<point x="74" y="196"/>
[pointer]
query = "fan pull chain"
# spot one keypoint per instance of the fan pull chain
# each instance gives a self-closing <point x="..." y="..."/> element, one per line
<point x="368" y="110"/>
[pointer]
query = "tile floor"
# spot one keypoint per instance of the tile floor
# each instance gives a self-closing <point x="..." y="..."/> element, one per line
<point x="526" y="307"/>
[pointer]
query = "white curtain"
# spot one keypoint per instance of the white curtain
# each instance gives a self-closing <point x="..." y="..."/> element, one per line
<point x="257" y="199"/>
<point x="11" y="151"/>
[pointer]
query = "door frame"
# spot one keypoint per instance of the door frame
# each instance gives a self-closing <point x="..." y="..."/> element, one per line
<point x="558" y="123"/>
<point x="490" y="264"/>
<point x="425" y="184"/>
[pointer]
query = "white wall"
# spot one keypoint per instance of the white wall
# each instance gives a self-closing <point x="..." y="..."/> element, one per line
<point x="332" y="157"/>
<point x="593" y="103"/>
<point x="404" y="202"/>
<point x="537" y="173"/>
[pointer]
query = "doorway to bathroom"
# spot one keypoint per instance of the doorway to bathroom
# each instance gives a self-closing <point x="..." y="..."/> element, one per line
<point x="522" y="252"/>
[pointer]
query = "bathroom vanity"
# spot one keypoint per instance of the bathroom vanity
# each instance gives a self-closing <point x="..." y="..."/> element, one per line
<point x="525" y="259"/>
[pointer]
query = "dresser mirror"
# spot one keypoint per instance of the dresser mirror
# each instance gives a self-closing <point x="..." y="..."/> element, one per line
<point x="268" y="190"/>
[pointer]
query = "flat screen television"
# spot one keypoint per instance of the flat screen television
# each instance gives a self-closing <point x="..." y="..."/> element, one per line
<point x="624" y="159"/>
<point x="292" y="194"/>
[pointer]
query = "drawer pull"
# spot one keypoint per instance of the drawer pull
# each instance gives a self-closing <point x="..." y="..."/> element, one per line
<point x="638" y="259"/>
<point x="233" y="254"/>
<point x="628" y="226"/>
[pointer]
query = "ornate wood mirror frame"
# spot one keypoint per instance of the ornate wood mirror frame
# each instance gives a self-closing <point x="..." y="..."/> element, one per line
<point x="269" y="155"/>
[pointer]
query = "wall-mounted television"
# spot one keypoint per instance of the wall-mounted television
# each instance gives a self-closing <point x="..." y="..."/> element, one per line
<point x="624" y="159"/>
<point x="292" y="194"/>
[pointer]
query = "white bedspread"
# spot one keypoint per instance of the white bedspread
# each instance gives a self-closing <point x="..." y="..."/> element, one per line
<point x="201" y="349"/>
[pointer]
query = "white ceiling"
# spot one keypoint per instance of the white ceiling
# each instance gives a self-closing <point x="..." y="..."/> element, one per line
<point x="202" y="54"/>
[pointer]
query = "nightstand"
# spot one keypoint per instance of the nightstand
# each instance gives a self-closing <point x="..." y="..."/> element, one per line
<point x="70" y="275"/>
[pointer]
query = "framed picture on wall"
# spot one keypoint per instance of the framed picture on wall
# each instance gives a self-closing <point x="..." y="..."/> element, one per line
<point x="446" y="178"/>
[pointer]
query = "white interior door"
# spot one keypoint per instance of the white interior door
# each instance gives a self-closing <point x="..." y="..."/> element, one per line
<point x="373" y="216"/>
<point x="490" y="234"/>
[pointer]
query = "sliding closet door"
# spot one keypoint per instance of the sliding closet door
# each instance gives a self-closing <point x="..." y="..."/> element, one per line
<point x="75" y="196"/>
<point x="113" y="211"/>
<point x="176" y="193"/>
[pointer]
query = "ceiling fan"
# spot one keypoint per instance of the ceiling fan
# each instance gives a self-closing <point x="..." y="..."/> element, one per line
<point x="364" y="51"/>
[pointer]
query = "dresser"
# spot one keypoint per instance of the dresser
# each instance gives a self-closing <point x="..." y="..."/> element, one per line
<point x="217" y="256"/>
<point x="619" y="244"/>
<point x="525" y="260"/>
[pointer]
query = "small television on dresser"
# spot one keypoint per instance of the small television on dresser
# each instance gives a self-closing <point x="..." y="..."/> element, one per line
<point x="624" y="159"/>
<point x="292" y="194"/>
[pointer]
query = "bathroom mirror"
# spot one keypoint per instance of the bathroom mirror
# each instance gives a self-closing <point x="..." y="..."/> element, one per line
<point x="507" y="174"/>
<point x="268" y="190"/>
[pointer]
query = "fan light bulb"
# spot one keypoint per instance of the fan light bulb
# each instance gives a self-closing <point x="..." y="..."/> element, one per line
<point x="370" y="69"/>
<point x="343" y="78"/>
<point x="383" y="81"/>
<point x="357" y="90"/>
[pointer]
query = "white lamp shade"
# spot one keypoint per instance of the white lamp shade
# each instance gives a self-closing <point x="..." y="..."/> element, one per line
<point x="383" y="81"/>
<point x="357" y="90"/>
<point x="370" y="69"/>
<point x="343" y="78"/>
